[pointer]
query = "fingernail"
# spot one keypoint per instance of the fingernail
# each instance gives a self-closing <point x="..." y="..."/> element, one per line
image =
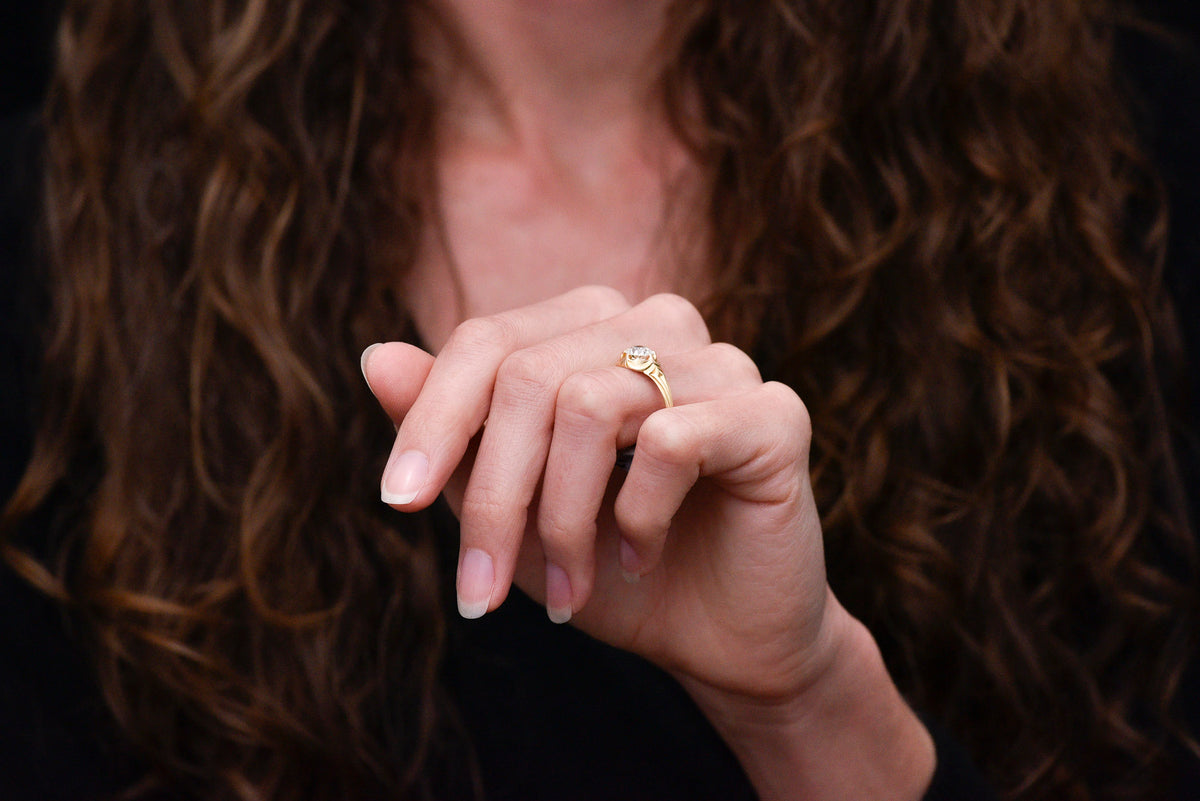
<point x="558" y="594"/>
<point x="404" y="477"/>
<point x="362" y="362"/>
<point x="475" y="578"/>
<point x="628" y="559"/>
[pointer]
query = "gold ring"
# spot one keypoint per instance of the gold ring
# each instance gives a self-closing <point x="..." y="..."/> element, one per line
<point x="645" y="361"/>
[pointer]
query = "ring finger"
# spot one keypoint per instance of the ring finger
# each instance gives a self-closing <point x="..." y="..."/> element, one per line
<point x="597" y="413"/>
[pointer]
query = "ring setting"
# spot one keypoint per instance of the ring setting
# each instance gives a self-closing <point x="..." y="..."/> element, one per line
<point x="642" y="359"/>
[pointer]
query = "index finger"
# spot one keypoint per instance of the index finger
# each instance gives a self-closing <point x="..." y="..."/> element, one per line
<point x="395" y="373"/>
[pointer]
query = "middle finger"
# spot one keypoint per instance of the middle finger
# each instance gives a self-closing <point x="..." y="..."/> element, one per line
<point x="599" y="412"/>
<point x="515" y="443"/>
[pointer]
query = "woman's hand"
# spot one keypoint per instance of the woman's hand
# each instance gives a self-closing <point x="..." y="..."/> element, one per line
<point x="705" y="558"/>
<point x="715" y="518"/>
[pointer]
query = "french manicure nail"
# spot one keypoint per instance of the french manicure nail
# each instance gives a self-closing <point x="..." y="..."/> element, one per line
<point x="558" y="594"/>
<point x="404" y="477"/>
<point x="629" y="562"/>
<point x="362" y="362"/>
<point x="476" y="576"/>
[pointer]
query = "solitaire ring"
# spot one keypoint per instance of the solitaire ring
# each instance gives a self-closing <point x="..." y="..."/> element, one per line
<point x="645" y="361"/>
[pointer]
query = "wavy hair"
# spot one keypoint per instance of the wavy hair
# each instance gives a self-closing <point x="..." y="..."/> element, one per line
<point x="930" y="217"/>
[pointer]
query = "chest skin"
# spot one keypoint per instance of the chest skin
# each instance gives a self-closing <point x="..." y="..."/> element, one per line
<point x="516" y="228"/>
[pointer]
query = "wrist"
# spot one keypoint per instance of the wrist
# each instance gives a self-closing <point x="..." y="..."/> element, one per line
<point x="845" y="732"/>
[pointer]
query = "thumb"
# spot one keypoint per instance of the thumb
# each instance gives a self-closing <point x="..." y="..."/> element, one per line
<point x="395" y="372"/>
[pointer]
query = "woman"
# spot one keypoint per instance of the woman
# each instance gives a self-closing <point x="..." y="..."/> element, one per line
<point x="929" y="222"/>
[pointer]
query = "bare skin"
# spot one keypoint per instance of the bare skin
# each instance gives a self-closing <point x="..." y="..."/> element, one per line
<point x="707" y="556"/>
<point x="555" y="167"/>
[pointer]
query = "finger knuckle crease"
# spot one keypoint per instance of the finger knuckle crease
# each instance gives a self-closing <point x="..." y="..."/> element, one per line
<point x="561" y="535"/>
<point x="485" y="506"/>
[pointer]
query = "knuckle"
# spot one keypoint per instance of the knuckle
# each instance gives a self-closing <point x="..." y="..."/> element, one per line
<point x="680" y="314"/>
<point x="791" y="410"/>
<point x="588" y="396"/>
<point x="669" y="438"/>
<point x="562" y="536"/>
<point x="486" y="508"/>
<point x="524" y="373"/>
<point x="735" y="363"/>
<point x="640" y="522"/>
<point x="482" y="334"/>
<point x="789" y="402"/>
<point x="608" y="300"/>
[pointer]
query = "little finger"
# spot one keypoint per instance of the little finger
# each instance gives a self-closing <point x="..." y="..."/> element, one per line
<point x="597" y="413"/>
<point x="754" y="445"/>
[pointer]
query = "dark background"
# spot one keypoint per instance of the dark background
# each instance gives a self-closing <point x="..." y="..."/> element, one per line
<point x="26" y="42"/>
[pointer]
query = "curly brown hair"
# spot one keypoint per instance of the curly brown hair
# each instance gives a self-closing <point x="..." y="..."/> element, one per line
<point x="930" y="217"/>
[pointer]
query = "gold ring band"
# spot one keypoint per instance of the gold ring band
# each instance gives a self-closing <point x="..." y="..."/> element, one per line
<point x="645" y="361"/>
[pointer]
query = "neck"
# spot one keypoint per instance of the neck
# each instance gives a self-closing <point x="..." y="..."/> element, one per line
<point x="546" y="73"/>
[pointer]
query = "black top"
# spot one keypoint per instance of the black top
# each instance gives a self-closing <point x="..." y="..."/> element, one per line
<point x="550" y="712"/>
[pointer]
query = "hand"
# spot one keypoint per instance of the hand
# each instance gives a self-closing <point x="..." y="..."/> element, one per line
<point x="705" y="558"/>
<point x="715" y="517"/>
